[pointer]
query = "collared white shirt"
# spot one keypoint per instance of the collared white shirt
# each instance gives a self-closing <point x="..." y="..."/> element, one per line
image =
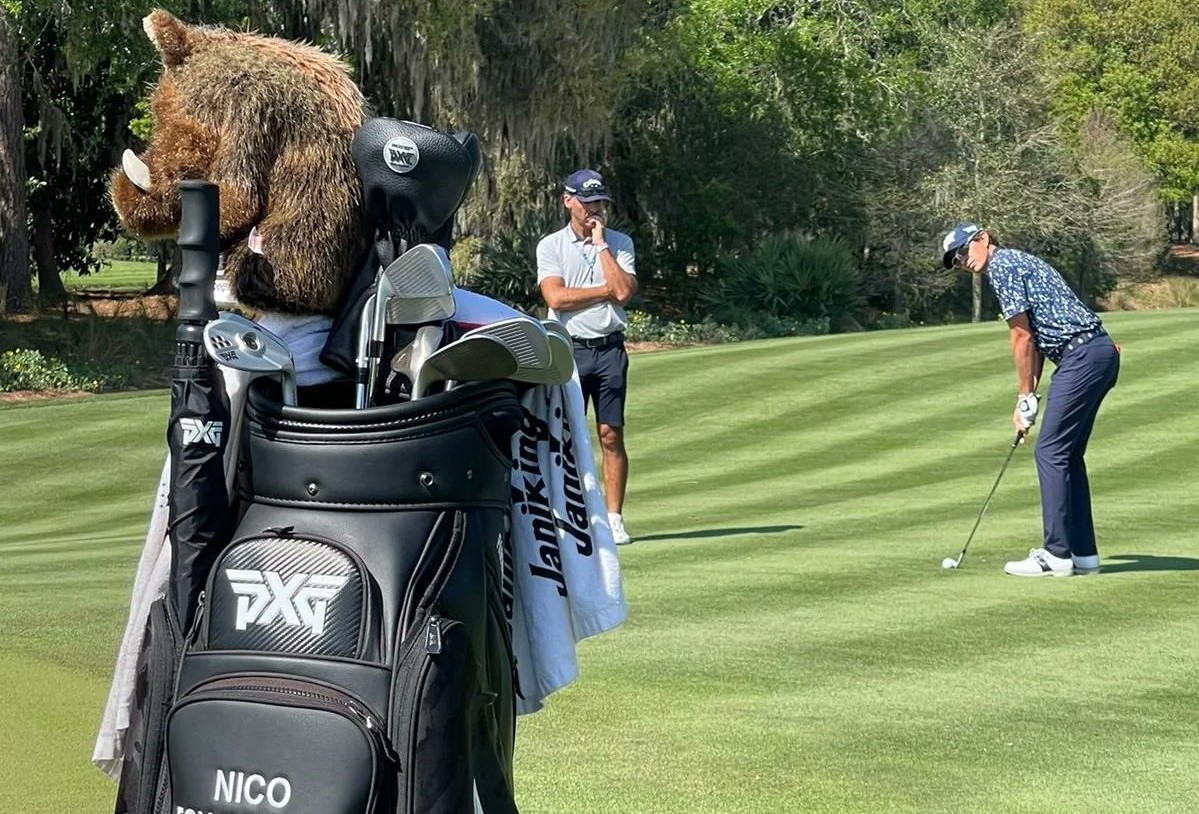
<point x="564" y="254"/>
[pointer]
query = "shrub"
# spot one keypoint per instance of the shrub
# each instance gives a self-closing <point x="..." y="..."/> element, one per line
<point x="507" y="265"/>
<point x="645" y="327"/>
<point x="786" y="277"/>
<point x="886" y="321"/>
<point x="25" y="369"/>
<point x="124" y="247"/>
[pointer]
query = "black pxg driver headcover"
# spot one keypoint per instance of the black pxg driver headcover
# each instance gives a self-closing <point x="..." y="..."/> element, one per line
<point x="413" y="181"/>
<point x="350" y="652"/>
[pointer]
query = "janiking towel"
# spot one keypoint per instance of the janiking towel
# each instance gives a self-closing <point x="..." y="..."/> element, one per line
<point x="565" y="576"/>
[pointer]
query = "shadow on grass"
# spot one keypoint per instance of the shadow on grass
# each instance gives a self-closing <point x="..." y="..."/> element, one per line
<point x="701" y="534"/>
<point x="1147" y="562"/>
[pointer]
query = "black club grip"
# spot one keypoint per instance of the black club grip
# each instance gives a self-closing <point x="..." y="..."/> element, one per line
<point x="199" y="242"/>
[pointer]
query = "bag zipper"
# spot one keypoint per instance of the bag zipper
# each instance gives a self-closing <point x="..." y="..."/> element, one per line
<point x="327" y="700"/>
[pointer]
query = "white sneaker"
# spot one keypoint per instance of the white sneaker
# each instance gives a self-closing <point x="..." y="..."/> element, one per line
<point x="1040" y="563"/>
<point x="616" y="523"/>
<point x="1086" y="565"/>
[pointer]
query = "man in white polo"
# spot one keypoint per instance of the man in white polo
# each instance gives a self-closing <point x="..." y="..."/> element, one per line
<point x="587" y="275"/>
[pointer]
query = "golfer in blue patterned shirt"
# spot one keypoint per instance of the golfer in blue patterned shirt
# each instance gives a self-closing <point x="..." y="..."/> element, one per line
<point x="1046" y="319"/>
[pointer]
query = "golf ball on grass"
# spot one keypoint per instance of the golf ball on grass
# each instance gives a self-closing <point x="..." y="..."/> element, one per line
<point x="949" y="562"/>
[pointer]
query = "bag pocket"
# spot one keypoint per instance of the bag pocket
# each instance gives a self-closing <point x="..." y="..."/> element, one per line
<point x="435" y="703"/>
<point x="153" y="693"/>
<point x="260" y="743"/>
<point x="280" y="592"/>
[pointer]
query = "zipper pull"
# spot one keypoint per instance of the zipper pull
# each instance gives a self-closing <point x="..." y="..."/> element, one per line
<point x="194" y="628"/>
<point x="384" y="742"/>
<point x="433" y="636"/>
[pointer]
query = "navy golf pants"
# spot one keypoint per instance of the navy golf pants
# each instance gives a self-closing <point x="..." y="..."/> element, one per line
<point x="1082" y="378"/>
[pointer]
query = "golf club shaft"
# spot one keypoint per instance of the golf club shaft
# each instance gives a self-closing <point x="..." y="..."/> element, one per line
<point x="987" y="502"/>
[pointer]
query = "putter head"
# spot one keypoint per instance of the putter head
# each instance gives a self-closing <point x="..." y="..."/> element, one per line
<point x="524" y="336"/>
<point x="239" y="344"/>
<point x="419" y="286"/>
<point x="471" y="358"/>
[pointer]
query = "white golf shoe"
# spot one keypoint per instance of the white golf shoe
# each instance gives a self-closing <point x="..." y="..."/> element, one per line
<point x="1040" y="563"/>
<point x="616" y="523"/>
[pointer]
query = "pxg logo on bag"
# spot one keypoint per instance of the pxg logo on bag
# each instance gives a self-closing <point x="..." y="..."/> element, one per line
<point x="301" y="600"/>
<point x="287" y="595"/>
<point x="196" y="431"/>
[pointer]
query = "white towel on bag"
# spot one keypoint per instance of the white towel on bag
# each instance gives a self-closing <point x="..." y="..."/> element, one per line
<point x="567" y="575"/>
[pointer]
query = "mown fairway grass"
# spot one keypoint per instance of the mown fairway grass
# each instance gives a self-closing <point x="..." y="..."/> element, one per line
<point x="116" y="275"/>
<point x="793" y="645"/>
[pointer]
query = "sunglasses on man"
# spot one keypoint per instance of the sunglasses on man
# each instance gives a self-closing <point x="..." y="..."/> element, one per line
<point x="959" y="257"/>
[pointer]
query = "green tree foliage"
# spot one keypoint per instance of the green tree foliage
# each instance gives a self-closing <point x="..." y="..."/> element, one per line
<point x="981" y="144"/>
<point x="748" y="117"/>
<point x="1136" y="60"/>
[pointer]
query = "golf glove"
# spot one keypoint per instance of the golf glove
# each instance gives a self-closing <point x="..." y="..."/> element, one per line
<point x="1026" y="406"/>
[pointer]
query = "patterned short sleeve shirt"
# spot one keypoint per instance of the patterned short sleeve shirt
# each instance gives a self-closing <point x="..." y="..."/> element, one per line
<point x="1024" y="283"/>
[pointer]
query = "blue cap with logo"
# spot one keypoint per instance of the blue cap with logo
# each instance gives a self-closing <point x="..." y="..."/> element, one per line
<point x="587" y="186"/>
<point x="962" y="234"/>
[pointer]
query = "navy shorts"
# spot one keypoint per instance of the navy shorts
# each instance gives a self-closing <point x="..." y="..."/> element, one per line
<point x="602" y="373"/>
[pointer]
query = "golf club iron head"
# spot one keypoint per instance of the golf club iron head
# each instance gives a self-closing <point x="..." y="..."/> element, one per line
<point x="417" y="287"/>
<point x="240" y="344"/>
<point x="526" y="339"/>
<point x="422" y="286"/>
<point x="553" y="326"/>
<point x="471" y="358"/>
<point x="561" y="367"/>
<point x="410" y="358"/>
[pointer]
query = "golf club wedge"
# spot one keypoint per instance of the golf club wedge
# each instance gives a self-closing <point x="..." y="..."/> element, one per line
<point x="472" y="358"/>
<point x="949" y="563"/>
<point x="410" y="358"/>
<point x="240" y="344"/>
<point x="561" y="366"/>
<point x="526" y="338"/>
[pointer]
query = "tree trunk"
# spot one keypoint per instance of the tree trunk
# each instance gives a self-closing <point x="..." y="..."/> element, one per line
<point x="170" y="259"/>
<point x="976" y="290"/>
<point x="14" y="236"/>
<point x="1195" y="218"/>
<point x="51" y="291"/>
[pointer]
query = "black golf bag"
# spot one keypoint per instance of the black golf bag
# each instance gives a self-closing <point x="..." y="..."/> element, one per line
<point x="350" y="651"/>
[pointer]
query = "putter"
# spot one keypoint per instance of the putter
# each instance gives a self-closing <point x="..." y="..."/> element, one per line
<point x="239" y="344"/>
<point x="472" y="357"/>
<point x="417" y="287"/>
<point x="949" y="562"/>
